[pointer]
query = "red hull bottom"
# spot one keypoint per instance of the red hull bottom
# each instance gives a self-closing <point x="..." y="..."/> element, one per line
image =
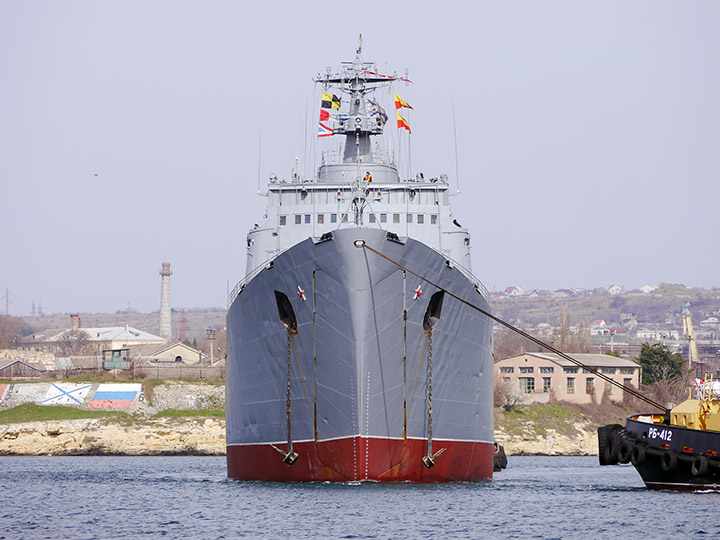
<point x="363" y="458"/>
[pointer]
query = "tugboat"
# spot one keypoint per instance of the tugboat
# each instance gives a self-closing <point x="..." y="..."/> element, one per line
<point x="343" y="364"/>
<point x="676" y="450"/>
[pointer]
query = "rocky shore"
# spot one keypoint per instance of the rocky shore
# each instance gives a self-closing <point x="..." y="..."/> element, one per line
<point x="206" y="436"/>
<point x="156" y="436"/>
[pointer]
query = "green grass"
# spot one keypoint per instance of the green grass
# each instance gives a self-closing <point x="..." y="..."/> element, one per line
<point x="179" y="413"/>
<point x="30" y="412"/>
<point x="541" y="417"/>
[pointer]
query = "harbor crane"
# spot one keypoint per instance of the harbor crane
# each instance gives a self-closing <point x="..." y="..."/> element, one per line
<point x="689" y="333"/>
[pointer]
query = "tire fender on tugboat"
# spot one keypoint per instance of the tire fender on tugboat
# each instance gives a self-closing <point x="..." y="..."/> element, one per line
<point x="608" y="443"/>
<point x="699" y="466"/>
<point x="637" y="456"/>
<point x="668" y="460"/>
<point x="625" y="451"/>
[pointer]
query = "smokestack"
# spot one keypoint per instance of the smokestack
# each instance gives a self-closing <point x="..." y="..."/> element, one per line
<point x="165" y="327"/>
<point x="74" y="322"/>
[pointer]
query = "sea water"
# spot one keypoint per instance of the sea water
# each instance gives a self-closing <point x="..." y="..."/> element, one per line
<point x="190" y="498"/>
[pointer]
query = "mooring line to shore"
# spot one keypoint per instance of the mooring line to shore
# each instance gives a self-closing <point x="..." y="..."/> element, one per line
<point x="634" y="393"/>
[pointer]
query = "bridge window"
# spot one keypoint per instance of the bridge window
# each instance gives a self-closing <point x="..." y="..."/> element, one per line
<point x="307" y="218"/>
<point x="421" y="219"/>
<point x="372" y="218"/>
<point x="298" y="219"/>
<point x="283" y="220"/>
<point x="409" y="218"/>
<point x="333" y="218"/>
<point x="383" y="218"/>
<point x="396" y="218"/>
<point x="321" y="218"/>
<point x="433" y="219"/>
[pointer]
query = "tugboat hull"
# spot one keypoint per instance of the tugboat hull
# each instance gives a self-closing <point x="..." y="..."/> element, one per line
<point x="665" y="456"/>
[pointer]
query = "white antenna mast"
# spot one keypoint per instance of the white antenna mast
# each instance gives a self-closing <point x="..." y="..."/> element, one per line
<point x="457" y="169"/>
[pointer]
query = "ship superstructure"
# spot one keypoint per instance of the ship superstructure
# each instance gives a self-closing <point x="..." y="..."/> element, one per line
<point x="341" y="365"/>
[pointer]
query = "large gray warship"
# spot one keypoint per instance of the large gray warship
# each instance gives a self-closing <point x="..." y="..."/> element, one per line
<point x="344" y="365"/>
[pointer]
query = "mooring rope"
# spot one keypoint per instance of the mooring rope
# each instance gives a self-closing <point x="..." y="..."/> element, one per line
<point x="638" y="395"/>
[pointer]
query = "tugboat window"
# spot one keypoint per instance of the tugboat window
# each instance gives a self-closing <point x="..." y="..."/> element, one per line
<point x="433" y="219"/>
<point x="298" y="219"/>
<point x="283" y="220"/>
<point x="409" y="218"/>
<point x="333" y="218"/>
<point x="372" y="218"/>
<point x="307" y="218"/>
<point x="421" y="219"/>
<point x="383" y="218"/>
<point x="396" y="218"/>
<point x="321" y="218"/>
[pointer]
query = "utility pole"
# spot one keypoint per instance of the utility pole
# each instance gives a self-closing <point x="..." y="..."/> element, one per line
<point x="7" y="301"/>
<point x="210" y="336"/>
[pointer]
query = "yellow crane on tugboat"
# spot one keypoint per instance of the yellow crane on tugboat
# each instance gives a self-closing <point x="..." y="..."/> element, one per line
<point x="689" y="333"/>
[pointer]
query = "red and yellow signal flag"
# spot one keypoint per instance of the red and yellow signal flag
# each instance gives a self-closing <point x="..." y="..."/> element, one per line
<point x="402" y="123"/>
<point x="400" y="102"/>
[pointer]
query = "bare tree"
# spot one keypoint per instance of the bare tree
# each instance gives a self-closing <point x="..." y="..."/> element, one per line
<point x="505" y="396"/>
<point x="569" y="342"/>
<point x="73" y="343"/>
<point x="11" y="328"/>
<point x="509" y="344"/>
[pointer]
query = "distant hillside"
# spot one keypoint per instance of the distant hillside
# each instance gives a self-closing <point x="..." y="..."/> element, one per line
<point x="666" y="299"/>
<point x="655" y="306"/>
<point x="198" y="320"/>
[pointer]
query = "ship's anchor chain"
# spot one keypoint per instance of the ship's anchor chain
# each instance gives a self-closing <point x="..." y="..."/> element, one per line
<point x="289" y="457"/>
<point x="429" y="459"/>
<point x="362" y="244"/>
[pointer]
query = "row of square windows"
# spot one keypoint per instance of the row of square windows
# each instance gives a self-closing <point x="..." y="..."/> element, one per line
<point x="527" y="385"/>
<point x="530" y="369"/>
<point x="307" y="218"/>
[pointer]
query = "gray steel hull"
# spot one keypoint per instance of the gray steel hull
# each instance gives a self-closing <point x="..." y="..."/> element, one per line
<point x="359" y="367"/>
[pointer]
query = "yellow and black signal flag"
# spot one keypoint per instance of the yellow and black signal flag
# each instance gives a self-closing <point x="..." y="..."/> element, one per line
<point x="402" y="123"/>
<point x="400" y="102"/>
<point x="330" y="101"/>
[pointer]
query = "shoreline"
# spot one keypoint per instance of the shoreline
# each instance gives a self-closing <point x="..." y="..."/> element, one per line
<point x="205" y="436"/>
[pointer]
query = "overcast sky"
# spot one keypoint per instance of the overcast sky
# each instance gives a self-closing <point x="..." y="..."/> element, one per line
<point x="588" y="137"/>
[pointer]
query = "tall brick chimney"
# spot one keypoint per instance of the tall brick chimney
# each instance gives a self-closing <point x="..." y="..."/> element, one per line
<point x="165" y="307"/>
<point x="74" y="322"/>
